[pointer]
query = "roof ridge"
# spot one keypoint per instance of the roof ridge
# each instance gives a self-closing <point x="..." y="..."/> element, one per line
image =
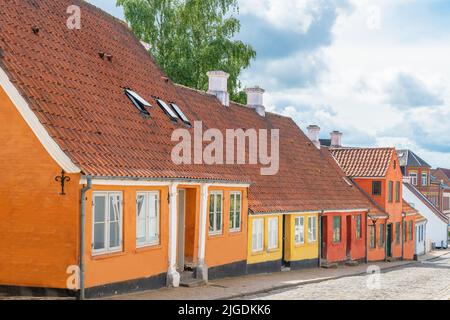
<point x="105" y="13"/>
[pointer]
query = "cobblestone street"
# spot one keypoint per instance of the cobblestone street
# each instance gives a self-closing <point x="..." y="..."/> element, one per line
<point x="420" y="281"/>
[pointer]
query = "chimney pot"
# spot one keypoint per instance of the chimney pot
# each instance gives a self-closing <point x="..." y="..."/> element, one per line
<point x="218" y="86"/>
<point x="313" y="135"/>
<point x="336" y="139"/>
<point x="255" y="100"/>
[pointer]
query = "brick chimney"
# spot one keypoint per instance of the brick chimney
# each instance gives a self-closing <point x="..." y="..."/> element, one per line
<point x="313" y="135"/>
<point x="336" y="139"/>
<point x="218" y="86"/>
<point x="255" y="100"/>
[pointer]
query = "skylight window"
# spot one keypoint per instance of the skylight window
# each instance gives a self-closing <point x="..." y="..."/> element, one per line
<point x="139" y="102"/>
<point x="180" y="114"/>
<point x="168" y="110"/>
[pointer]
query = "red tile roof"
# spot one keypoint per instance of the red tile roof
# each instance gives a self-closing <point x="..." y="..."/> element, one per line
<point x="79" y="99"/>
<point x="364" y="162"/>
<point x="407" y="208"/>
<point x="375" y="210"/>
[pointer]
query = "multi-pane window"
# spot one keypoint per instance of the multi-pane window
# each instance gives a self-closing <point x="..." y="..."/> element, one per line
<point x="376" y="188"/>
<point x="235" y="211"/>
<point x="336" y="229"/>
<point x="381" y="235"/>
<point x="410" y="230"/>
<point x="258" y="235"/>
<point x="390" y="191"/>
<point x="424" y="179"/>
<point x="413" y="176"/>
<point x="147" y="218"/>
<point x="107" y="222"/>
<point x="358" y="227"/>
<point x="446" y="203"/>
<point x="215" y="213"/>
<point x="273" y="233"/>
<point x="372" y="236"/>
<point x="397" y="191"/>
<point x="299" y="230"/>
<point x="397" y="232"/>
<point x="312" y="229"/>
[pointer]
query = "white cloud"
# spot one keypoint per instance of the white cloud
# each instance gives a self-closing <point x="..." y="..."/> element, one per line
<point x="293" y="15"/>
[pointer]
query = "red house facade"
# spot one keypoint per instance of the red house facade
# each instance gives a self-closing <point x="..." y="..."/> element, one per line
<point x="377" y="172"/>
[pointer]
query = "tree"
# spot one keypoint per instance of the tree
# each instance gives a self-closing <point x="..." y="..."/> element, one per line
<point x="188" y="38"/>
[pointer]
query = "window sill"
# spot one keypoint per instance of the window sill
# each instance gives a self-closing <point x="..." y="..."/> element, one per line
<point x="148" y="247"/>
<point x="272" y="250"/>
<point x="215" y="235"/>
<point x="258" y="253"/>
<point x="235" y="232"/>
<point x="107" y="255"/>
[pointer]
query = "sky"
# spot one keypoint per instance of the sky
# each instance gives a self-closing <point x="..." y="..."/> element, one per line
<point x="377" y="70"/>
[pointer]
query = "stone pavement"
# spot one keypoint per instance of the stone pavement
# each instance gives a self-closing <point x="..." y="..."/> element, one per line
<point x="426" y="280"/>
<point x="254" y="285"/>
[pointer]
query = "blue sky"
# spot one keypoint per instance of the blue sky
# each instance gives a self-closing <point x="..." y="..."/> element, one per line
<point x="378" y="70"/>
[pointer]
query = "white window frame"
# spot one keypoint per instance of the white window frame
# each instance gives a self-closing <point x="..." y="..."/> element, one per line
<point x="148" y="240"/>
<point x="235" y="213"/>
<point x="272" y="234"/>
<point x="215" y="228"/>
<point x="314" y="231"/>
<point x="414" y="176"/>
<point x="107" y="249"/>
<point x="299" y="230"/>
<point x="424" y="175"/>
<point x="258" y="235"/>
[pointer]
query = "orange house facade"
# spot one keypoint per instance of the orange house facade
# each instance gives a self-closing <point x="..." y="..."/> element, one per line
<point x="377" y="172"/>
<point x="138" y="233"/>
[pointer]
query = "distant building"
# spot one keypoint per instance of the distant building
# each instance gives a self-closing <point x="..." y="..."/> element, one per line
<point x="418" y="172"/>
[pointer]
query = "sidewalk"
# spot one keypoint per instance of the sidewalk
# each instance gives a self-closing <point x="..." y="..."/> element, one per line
<point x="231" y="288"/>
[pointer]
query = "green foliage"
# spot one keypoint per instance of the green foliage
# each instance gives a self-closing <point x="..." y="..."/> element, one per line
<point x="188" y="38"/>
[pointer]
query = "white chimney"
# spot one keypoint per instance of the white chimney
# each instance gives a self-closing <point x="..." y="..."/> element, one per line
<point x="313" y="135"/>
<point x="255" y="100"/>
<point x="218" y="86"/>
<point x="336" y="139"/>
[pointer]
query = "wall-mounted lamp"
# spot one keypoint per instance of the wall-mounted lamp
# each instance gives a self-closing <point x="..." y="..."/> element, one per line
<point x="62" y="179"/>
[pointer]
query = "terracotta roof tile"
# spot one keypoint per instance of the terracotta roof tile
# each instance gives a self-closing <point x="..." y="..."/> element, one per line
<point x="363" y="162"/>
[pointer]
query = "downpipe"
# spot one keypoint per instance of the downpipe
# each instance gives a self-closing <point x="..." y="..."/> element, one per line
<point x="84" y="190"/>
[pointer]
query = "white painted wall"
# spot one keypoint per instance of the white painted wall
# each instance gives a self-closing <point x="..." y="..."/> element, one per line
<point x="436" y="230"/>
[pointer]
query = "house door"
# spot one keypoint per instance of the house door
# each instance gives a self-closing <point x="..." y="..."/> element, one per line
<point x="349" y="236"/>
<point x="181" y="228"/>
<point x="389" y="240"/>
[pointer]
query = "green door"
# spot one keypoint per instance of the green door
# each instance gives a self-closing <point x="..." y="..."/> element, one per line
<point x="389" y="240"/>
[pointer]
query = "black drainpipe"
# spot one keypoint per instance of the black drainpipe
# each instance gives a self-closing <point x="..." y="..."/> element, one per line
<point x="367" y="236"/>
<point x="84" y="190"/>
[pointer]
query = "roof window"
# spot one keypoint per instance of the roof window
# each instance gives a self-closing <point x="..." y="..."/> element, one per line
<point x="139" y="102"/>
<point x="168" y="110"/>
<point x="180" y="114"/>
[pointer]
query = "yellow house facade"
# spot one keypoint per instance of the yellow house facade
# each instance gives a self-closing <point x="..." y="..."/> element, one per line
<point x="277" y="240"/>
